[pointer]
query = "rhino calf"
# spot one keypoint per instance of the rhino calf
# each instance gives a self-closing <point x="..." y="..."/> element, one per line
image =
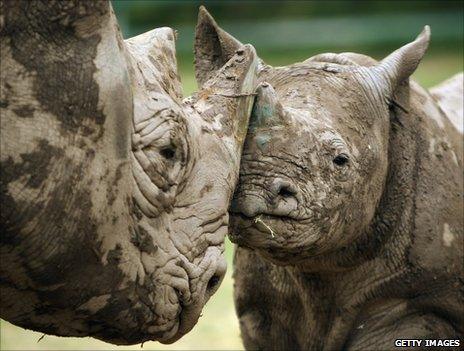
<point x="348" y="213"/>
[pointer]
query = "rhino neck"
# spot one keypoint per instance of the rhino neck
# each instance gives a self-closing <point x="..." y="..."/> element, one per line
<point x="421" y="208"/>
<point x="65" y="144"/>
<point x="393" y="222"/>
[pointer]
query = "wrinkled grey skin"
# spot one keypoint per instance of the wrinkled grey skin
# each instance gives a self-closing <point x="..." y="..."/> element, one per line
<point x="114" y="192"/>
<point x="349" y="208"/>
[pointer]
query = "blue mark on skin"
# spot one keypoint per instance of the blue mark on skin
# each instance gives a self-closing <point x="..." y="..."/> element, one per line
<point x="261" y="114"/>
<point x="262" y="140"/>
<point x="266" y="111"/>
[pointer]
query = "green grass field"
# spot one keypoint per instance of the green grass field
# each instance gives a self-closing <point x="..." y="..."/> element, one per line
<point x="218" y="328"/>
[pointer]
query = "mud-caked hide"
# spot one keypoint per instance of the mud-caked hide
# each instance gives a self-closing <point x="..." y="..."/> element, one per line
<point x="348" y="213"/>
<point x="114" y="192"/>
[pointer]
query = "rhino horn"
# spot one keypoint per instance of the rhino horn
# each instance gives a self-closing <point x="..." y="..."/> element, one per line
<point x="232" y="88"/>
<point x="213" y="47"/>
<point x="267" y="110"/>
<point x="400" y="64"/>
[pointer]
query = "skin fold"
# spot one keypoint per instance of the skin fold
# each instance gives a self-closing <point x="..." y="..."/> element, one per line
<point x="348" y="214"/>
<point x="114" y="191"/>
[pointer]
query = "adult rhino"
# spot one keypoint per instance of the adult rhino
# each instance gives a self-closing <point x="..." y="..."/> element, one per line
<point x="114" y="193"/>
<point x="349" y="208"/>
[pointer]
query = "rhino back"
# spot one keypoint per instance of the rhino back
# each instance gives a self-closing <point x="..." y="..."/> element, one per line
<point x="450" y="97"/>
<point x="437" y="238"/>
<point x="439" y="182"/>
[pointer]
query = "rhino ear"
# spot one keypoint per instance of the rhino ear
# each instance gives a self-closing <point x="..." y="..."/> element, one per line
<point x="154" y="53"/>
<point x="400" y="64"/>
<point x="213" y="47"/>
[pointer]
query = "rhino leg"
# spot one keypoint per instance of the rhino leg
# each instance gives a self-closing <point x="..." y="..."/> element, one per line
<point x="392" y="321"/>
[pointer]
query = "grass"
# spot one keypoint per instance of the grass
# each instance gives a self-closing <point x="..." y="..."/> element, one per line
<point x="218" y="328"/>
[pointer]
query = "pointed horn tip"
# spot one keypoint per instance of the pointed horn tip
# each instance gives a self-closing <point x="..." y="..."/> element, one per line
<point x="166" y="33"/>
<point x="264" y="87"/>
<point x="245" y="53"/>
<point x="247" y="49"/>
<point x="426" y="30"/>
<point x="425" y="34"/>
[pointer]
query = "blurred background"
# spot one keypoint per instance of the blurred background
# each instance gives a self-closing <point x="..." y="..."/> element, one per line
<point x="283" y="32"/>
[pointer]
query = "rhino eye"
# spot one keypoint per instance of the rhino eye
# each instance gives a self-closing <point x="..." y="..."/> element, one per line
<point x="168" y="152"/>
<point x="341" y="160"/>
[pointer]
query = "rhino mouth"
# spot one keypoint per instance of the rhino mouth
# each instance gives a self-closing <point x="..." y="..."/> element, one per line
<point x="153" y="329"/>
<point x="260" y="230"/>
<point x="203" y="284"/>
<point x="280" y="239"/>
<point x="133" y="316"/>
<point x="175" y="332"/>
<point x="262" y="233"/>
<point x="268" y="215"/>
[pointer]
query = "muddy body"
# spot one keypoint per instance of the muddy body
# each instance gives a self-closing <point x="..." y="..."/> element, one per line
<point x="348" y="214"/>
<point x="403" y="278"/>
<point x="114" y="192"/>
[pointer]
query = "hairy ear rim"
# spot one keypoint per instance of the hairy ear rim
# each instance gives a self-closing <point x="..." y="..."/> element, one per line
<point x="213" y="47"/>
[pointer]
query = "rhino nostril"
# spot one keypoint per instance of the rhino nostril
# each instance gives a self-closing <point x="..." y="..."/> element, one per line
<point x="180" y="297"/>
<point x="213" y="282"/>
<point x="282" y="188"/>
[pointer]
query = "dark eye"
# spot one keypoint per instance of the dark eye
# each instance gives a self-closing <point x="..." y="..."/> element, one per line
<point x="341" y="160"/>
<point x="168" y="152"/>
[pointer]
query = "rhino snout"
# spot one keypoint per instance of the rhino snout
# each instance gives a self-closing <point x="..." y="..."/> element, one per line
<point x="204" y="281"/>
<point x="213" y="274"/>
<point x="280" y="198"/>
<point x="249" y="205"/>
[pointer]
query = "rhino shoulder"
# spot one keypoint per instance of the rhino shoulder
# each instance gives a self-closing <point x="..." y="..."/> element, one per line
<point x="450" y="98"/>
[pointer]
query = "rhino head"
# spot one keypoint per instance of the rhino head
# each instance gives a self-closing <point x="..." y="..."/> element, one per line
<point x="114" y="191"/>
<point x="315" y="159"/>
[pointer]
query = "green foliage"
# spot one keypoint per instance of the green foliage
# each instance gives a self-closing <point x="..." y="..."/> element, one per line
<point x="172" y="13"/>
<point x="291" y="25"/>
